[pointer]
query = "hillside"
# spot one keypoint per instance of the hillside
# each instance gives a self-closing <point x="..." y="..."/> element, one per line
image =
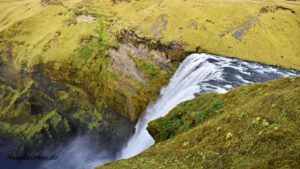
<point x="255" y="126"/>
<point x="262" y="31"/>
<point x="92" y="66"/>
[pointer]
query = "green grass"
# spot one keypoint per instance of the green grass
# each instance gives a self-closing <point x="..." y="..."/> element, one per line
<point x="272" y="38"/>
<point x="243" y="129"/>
<point x="184" y="117"/>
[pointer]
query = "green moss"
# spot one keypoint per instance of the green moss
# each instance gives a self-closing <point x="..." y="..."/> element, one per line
<point x="17" y="95"/>
<point x="26" y="131"/>
<point x="63" y="95"/>
<point x="97" y="44"/>
<point x="68" y="15"/>
<point x="189" y="113"/>
<point x="169" y="126"/>
<point x="156" y="76"/>
<point x="146" y="67"/>
<point x="86" y="52"/>
<point x="111" y="75"/>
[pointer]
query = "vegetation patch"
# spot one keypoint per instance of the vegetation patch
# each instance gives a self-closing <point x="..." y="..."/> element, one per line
<point x="254" y="126"/>
<point x="179" y="121"/>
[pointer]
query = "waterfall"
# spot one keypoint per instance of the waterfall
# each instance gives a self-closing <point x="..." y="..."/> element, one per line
<point x="198" y="74"/>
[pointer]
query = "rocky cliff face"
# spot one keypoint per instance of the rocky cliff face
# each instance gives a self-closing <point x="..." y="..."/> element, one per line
<point x="52" y="91"/>
<point x="71" y="67"/>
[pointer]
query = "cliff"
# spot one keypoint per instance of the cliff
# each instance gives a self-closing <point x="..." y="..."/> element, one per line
<point x="75" y="67"/>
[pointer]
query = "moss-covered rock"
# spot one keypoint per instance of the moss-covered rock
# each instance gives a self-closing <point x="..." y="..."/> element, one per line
<point x="47" y="114"/>
<point x="185" y="116"/>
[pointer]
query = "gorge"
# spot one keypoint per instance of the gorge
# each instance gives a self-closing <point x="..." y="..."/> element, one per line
<point x="197" y="74"/>
<point x="149" y="83"/>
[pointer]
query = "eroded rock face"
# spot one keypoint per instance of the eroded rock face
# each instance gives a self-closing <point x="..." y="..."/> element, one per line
<point x="145" y="62"/>
<point x="123" y="63"/>
<point x="172" y="51"/>
<point x="123" y="60"/>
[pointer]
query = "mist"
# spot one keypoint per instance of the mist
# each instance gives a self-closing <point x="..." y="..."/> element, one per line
<point x="79" y="153"/>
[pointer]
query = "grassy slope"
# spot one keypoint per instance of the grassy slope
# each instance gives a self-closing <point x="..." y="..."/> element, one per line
<point x="14" y="11"/>
<point x="194" y="23"/>
<point x="40" y="33"/>
<point x="257" y="126"/>
<point x="272" y="37"/>
<point x="43" y="34"/>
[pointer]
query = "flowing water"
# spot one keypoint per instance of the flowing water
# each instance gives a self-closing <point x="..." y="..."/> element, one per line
<point x="198" y="74"/>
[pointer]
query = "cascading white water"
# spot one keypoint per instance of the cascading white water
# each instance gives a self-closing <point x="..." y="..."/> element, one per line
<point x="197" y="74"/>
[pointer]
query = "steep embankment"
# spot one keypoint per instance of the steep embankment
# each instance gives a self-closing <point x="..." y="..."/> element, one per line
<point x="72" y="67"/>
<point x="255" y="126"/>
